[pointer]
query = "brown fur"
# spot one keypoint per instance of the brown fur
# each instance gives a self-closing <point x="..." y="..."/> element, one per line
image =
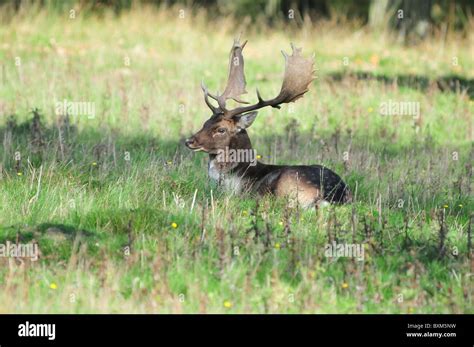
<point x="225" y="131"/>
<point x="308" y="185"/>
<point x="290" y="184"/>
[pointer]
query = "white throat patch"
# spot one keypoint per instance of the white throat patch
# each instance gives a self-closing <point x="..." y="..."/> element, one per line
<point x="231" y="183"/>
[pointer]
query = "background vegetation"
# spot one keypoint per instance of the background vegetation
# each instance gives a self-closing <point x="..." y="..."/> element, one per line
<point x="126" y="219"/>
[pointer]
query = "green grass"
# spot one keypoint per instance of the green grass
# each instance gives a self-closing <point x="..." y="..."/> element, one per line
<point x="104" y="223"/>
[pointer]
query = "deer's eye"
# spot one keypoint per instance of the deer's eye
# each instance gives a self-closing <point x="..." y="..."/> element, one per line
<point x="221" y="130"/>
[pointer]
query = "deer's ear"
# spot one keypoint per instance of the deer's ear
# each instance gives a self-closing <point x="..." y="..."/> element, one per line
<point x="245" y="120"/>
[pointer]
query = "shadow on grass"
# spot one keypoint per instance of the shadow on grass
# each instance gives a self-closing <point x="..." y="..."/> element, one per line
<point x="62" y="231"/>
<point x="56" y="232"/>
<point x="449" y="83"/>
<point x="95" y="157"/>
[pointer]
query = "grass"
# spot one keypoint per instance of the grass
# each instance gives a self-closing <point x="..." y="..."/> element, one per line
<point x="127" y="221"/>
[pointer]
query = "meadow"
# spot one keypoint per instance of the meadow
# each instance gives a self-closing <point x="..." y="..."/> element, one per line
<point x="127" y="221"/>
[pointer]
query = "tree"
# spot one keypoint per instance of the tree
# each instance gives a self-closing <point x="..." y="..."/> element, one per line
<point x="411" y="19"/>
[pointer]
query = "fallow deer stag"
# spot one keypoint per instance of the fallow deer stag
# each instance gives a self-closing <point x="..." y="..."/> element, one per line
<point x="226" y="131"/>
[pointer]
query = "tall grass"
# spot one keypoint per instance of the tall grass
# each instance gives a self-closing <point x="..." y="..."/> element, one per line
<point x="127" y="221"/>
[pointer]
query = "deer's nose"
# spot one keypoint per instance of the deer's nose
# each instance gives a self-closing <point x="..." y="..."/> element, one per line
<point x="189" y="142"/>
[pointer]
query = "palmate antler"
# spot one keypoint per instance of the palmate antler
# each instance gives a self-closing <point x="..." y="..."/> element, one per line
<point x="235" y="81"/>
<point x="297" y="78"/>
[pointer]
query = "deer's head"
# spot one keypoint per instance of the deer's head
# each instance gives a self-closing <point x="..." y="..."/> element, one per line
<point x="225" y="124"/>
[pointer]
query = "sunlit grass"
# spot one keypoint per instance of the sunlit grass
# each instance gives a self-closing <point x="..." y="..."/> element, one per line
<point x="147" y="232"/>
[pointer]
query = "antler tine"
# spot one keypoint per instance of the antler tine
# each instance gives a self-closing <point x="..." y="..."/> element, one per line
<point x="214" y="109"/>
<point x="262" y="102"/>
<point x="212" y="96"/>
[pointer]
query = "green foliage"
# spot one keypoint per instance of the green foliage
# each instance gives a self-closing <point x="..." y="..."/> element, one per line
<point x="147" y="231"/>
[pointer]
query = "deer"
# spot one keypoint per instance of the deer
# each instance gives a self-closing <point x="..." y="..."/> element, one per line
<point x="226" y="131"/>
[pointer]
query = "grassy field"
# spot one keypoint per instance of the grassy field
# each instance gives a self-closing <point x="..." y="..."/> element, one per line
<point x="127" y="221"/>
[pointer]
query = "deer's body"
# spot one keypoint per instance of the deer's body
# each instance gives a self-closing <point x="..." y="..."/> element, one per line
<point x="307" y="184"/>
<point x="225" y="131"/>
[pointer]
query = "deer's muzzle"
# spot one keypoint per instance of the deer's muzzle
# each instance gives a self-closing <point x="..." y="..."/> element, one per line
<point x="192" y="144"/>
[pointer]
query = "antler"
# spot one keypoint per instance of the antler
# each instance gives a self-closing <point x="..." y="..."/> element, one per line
<point x="235" y="81"/>
<point x="297" y="78"/>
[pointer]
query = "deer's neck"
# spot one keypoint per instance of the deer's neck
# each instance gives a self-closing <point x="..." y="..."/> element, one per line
<point x="240" y="166"/>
